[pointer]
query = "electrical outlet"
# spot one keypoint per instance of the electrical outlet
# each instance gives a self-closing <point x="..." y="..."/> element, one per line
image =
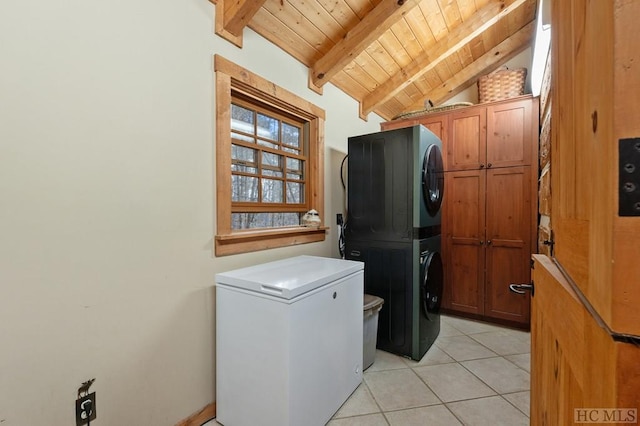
<point x="85" y="409"/>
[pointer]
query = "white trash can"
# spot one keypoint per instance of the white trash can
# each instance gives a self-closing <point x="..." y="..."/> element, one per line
<point x="371" y="307"/>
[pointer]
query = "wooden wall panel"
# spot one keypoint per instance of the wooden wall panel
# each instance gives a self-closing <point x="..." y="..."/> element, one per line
<point x="545" y="139"/>
<point x="544" y="194"/>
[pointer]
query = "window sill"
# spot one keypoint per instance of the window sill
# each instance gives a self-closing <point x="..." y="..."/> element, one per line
<point x="248" y="241"/>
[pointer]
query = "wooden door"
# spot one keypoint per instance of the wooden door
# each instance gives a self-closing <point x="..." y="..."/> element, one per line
<point x="466" y="146"/>
<point x="511" y="138"/>
<point x="595" y="107"/>
<point x="577" y="368"/>
<point x="464" y="241"/>
<point x="509" y="240"/>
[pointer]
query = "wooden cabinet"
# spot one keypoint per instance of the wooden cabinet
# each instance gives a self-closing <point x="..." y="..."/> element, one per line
<point x="488" y="241"/>
<point x="497" y="135"/>
<point x="437" y="123"/>
<point x="508" y="243"/>
<point x="463" y="250"/>
<point x="489" y="211"/>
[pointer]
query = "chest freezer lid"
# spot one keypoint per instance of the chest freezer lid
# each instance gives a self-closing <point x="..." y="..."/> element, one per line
<point x="290" y="277"/>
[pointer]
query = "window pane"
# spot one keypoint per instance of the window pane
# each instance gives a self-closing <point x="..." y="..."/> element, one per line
<point x="294" y="176"/>
<point x="269" y="144"/>
<point x="273" y="160"/>
<point x="243" y="138"/>
<point x="271" y="191"/>
<point x="268" y="127"/>
<point x="294" y="164"/>
<point x="242" y="119"/>
<point x="244" y="188"/>
<point x="243" y="154"/>
<point x="243" y="168"/>
<point x="291" y="150"/>
<point x="290" y="135"/>
<point x="264" y="220"/>
<point x="273" y="173"/>
<point x="295" y="193"/>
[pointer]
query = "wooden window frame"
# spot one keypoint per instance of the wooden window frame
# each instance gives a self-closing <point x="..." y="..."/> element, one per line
<point x="232" y="77"/>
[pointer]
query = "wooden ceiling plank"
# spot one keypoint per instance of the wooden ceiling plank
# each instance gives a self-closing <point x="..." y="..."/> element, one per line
<point x="269" y="27"/>
<point x="487" y="63"/>
<point x="358" y="39"/>
<point x="467" y="8"/>
<point x="341" y="12"/>
<point x="366" y="62"/>
<point x="442" y="70"/>
<point x="477" y="47"/>
<point x="434" y="18"/>
<point x="418" y="24"/>
<point x="381" y="57"/>
<point x="484" y="19"/>
<point x="423" y="85"/>
<point x="406" y="38"/>
<point x="320" y="18"/>
<point x="395" y="48"/>
<point x="451" y="13"/>
<point x="501" y="31"/>
<point x="360" y="7"/>
<point x="306" y="29"/>
<point x="466" y="58"/>
<point x="454" y="63"/>
<point x="348" y="85"/>
<point x="525" y="15"/>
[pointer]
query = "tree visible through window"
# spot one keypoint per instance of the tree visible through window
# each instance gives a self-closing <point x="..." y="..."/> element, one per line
<point x="268" y="160"/>
<point x="269" y="163"/>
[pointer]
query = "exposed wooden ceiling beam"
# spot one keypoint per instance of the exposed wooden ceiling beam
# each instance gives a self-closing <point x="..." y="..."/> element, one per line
<point x="372" y="26"/>
<point x="483" y="65"/>
<point x="233" y="15"/>
<point x="458" y="38"/>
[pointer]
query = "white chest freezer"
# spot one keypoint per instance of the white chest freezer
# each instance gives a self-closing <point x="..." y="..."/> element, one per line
<point x="288" y="341"/>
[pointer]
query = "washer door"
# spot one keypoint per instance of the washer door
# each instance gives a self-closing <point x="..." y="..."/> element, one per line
<point x="433" y="179"/>
<point x="432" y="281"/>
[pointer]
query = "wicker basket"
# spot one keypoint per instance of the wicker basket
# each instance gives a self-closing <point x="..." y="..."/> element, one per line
<point x="501" y="84"/>
<point x="432" y="110"/>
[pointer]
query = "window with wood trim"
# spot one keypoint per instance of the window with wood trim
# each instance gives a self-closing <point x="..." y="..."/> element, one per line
<point x="269" y="162"/>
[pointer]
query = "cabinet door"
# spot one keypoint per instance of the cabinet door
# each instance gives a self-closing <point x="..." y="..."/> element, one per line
<point x="467" y="139"/>
<point x="509" y="234"/>
<point x="439" y="126"/>
<point x="464" y="250"/>
<point x="510" y="134"/>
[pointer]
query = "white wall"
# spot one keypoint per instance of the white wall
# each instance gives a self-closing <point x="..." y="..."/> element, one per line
<point x="107" y="204"/>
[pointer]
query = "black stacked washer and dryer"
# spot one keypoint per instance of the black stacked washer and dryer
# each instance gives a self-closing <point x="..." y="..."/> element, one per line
<point x="395" y="190"/>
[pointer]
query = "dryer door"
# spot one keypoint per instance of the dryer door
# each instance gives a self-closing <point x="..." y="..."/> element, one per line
<point x="433" y="179"/>
<point x="431" y="285"/>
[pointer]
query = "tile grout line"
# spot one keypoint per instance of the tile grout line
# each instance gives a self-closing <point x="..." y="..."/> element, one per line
<point x="416" y="365"/>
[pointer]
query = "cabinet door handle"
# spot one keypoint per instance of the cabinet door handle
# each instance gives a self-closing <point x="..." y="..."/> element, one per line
<point x="482" y="166"/>
<point x="488" y="242"/>
<point x="489" y="165"/>
<point x="521" y="288"/>
<point x="481" y="242"/>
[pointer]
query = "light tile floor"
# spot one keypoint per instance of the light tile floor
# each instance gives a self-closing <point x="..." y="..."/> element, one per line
<point x="475" y="374"/>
